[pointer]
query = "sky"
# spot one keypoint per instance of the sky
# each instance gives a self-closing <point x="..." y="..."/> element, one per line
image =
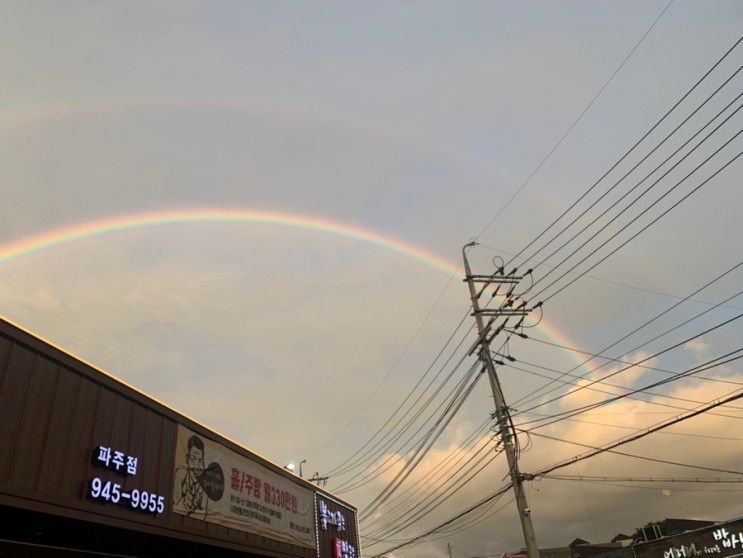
<point x="411" y="124"/>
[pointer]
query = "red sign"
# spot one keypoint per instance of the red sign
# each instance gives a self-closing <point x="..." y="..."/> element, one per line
<point x="337" y="548"/>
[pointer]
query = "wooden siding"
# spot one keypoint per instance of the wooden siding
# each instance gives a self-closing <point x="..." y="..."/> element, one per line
<point x="55" y="410"/>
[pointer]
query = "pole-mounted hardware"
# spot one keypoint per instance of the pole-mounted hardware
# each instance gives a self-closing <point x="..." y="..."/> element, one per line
<point x="502" y="416"/>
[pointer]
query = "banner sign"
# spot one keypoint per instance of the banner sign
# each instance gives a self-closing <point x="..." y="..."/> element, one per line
<point x="217" y="485"/>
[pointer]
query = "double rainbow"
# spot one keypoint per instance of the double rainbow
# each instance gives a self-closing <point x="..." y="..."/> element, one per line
<point x="67" y="235"/>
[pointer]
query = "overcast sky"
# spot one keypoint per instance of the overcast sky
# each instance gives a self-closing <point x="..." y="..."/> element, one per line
<point x="416" y="120"/>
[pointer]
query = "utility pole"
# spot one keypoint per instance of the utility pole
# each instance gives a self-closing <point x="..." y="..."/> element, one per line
<point x="502" y="414"/>
<point x="448" y="545"/>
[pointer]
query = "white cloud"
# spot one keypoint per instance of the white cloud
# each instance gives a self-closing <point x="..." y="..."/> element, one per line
<point x="699" y="347"/>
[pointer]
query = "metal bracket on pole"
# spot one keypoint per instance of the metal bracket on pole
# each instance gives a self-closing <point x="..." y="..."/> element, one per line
<point x="498" y="312"/>
<point x="501" y="414"/>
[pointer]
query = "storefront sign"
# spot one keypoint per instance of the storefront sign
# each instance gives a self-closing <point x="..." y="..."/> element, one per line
<point x="343" y="549"/>
<point x="111" y="492"/>
<point x="220" y="486"/>
<point x="717" y="541"/>
<point x="115" y="460"/>
<point x="335" y="520"/>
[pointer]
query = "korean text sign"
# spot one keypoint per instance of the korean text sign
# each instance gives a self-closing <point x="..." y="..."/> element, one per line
<point x="217" y="485"/>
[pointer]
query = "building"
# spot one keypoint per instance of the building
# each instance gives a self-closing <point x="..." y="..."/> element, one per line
<point x="90" y="466"/>
<point x="717" y="540"/>
<point x="619" y="547"/>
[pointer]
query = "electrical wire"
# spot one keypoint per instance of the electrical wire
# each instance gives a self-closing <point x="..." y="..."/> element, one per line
<point x="620" y="361"/>
<point x="690" y="480"/>
<point x="638" y="456"/>
<point x="631" y="149"/>
<point x="578" y="119"/>
<point x="553" y="283"/>
<point x="635" y="187"/>
<point x="350" y="464"/>
<point x="675" y="489"/>
<point x="363" y="479"/>
<point x="391" y="369"/>
<point x="624" y="285"/>
<point x="682" y="434"/>
<point x="414" y="501"/>
<point x="557" y="417"/>
<point x="444" y="467"/>
<point x="435" y="431"/>
<point x="534" y="394"/>
<point x="349" y="485"/>
<point x="415" y="514"/>
<point x="652" y="222"/>
<point x="634" y="397"/>
<point x="638" y="435"/>
<point x="451" y="520"/>
<point x="654" y="355"/>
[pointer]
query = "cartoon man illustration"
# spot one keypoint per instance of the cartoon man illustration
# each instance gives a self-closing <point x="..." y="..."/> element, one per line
<point x="192" y="496"/>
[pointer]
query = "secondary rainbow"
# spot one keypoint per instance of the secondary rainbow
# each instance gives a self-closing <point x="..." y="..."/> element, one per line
<point x="66" y="235"/>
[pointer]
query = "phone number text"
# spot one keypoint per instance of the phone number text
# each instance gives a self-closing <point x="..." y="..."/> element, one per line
<point x="108" y="491"/>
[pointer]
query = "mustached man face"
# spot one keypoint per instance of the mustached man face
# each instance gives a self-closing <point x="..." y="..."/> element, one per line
<point x="195" y="460"/>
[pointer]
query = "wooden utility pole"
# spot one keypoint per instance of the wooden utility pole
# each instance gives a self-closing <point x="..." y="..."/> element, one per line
<point x="502" y="414"/>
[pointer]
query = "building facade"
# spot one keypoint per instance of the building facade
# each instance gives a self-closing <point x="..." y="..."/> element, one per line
<point x="91" y="466"/>
<point x="719" y="540"/>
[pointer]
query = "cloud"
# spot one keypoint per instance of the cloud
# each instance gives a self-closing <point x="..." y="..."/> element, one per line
<point x="699" y="348"/>
<point x="708" y="440"/>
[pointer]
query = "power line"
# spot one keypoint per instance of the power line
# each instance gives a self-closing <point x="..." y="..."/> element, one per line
<point x="632" y="396"/>
<point x="637" y="143"/>
<point x="620" y="361"/>
<point x="641" y="434"/>
<point x="349" y="463"/>
<point x="634" y="219"/>
<point x="533" y="395"/>
<point x="638" y="456"/>
<point x="661" y="382"/>
<point x="451" y="520"/>
<point x="424" y="508"/>
<point x="609" y="479"/>
<point x="655" y="220"/>
<point x="389" y="461"/>
<point x="410" y="442"/>
<point x="623" y="284"/>
<point x="648" y="175"/>
<point x="417" y="455"/>
<point x="433" y="434"/>
<point x="683" y="434"/>
<point x="638" y="487"/>
<point x="557" y="417"/>
<point x="666" y="194"/>
<point x="555" y="148"/>
<point x="635" y="456"/>
<point x="575" y="122"/>
<point x="444" y="467"/>
<point x="564" y="136"/>
<point x="391" y="369"/>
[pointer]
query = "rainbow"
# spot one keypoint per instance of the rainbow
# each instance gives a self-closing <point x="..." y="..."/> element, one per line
<point x="21" y="117"/>
<point x="66" y="235"/>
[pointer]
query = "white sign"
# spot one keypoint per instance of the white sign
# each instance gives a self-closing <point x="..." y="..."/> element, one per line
<point x="220" y="486"/>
